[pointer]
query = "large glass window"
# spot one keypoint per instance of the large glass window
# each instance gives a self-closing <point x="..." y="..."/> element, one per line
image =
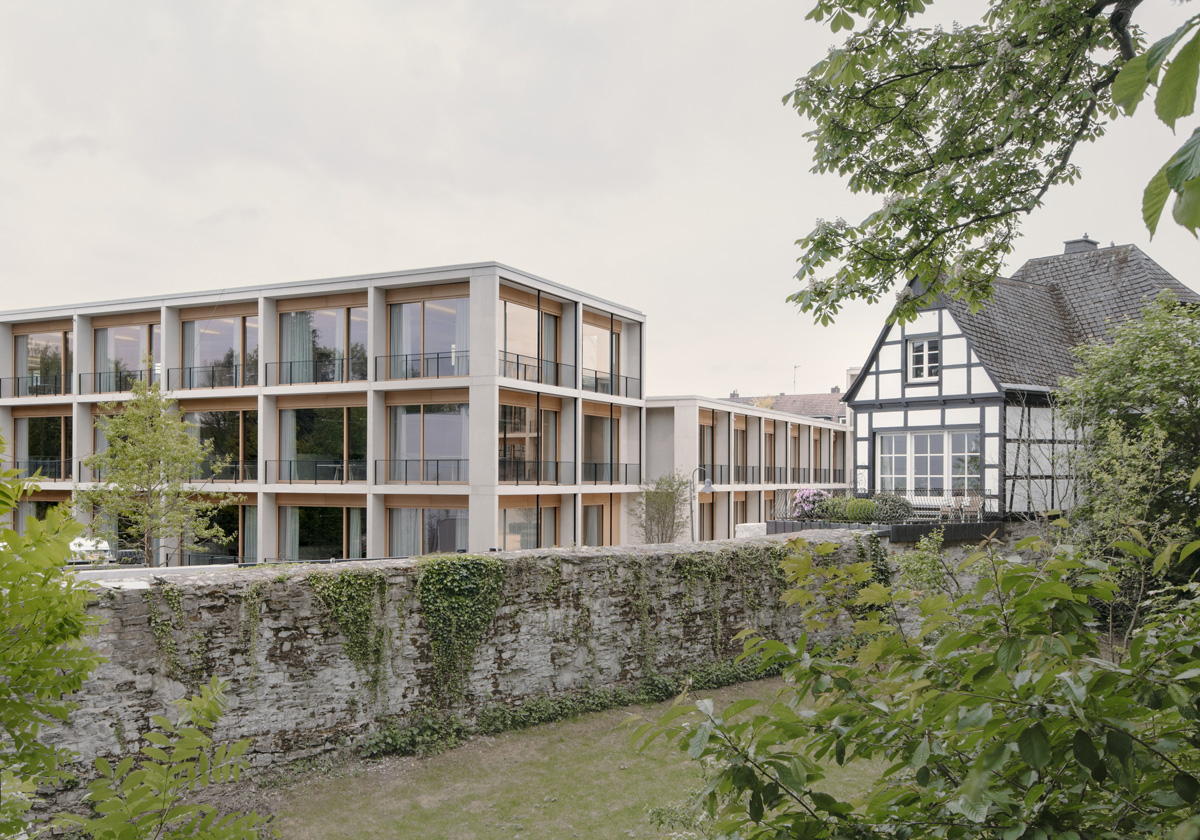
<point x="518" y="443"/>
<point x="218" y="352"/>
<point x="599" y="450"/>
<point x="240" y="524"/>
<point x="30" y="508"/>
<point x="518" y="329"/>
<point x="43" y="364"/>
<point x="415" y="531"/>
<point x="322" y="533"/>
<point x="322" y="444"/>
<point x="430" y="338"/>
<point x="929" y="463"/>
<point x="234" y="437"/>
<point x="518" y="528"/>
<point x="600" y="360"/>
<point x="429" y="442"/>
<point x="121" y="354"/>
<point x="43" y="446"/>
<point x="708" y="451"/>
<point x="593" y="525"/>
<point x="322" y="345"/>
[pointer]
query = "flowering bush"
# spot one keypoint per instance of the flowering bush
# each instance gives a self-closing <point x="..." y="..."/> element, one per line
<point x="805" y="501"/>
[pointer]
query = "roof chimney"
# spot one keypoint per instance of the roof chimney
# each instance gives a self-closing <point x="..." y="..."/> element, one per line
<point x="733" y="395"/>
<point x="835" y="390"/>
<point x="1076" y="246"/>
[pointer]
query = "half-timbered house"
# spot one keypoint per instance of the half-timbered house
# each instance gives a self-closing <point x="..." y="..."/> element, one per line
<point x="957" y="407"/>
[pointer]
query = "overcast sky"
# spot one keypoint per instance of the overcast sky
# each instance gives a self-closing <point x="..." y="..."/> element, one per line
<point x="637" y="150"/>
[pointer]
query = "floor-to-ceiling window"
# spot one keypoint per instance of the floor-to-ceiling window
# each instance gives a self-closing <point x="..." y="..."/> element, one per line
<point x="529" y="336"/>
<point x="418" y="530"/>
<point x="234" y="438"/>
<point x="593" y="525"/>
<point x="528" y="523"/>
<point x="322" y="533"/>
<point x="239" y="527"/>
<point x="43" y="446"/>
<point x="428" y="443"/>
<point x="429" y="338"/>
<point x="599" y="357"/>
<point x="599" y="448"/>
<point x="218" y="352"/>
<point x="124" y="354"/>
<point x="322" y="444"/>
<point x="321" y="345"/>
<point x="43" y="364"/>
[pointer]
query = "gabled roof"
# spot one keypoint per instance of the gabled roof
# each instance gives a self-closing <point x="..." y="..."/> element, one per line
<point x="1024" y="335"/>
<point x="828" y="404"/>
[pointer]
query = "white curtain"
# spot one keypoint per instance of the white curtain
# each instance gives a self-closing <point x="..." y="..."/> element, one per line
<point x="103" y="360"/>
<point x="189" y="345"/>
<point x="289" y="533"/>
<point x="404" y="532"/>
<point x="287" y="444"/>
<point x="462" y="336"/>
<point x="23" y="356"/>
<point x="296" y="347"/>
<point x="249" y="533"/>
<point x="356" y="550"/>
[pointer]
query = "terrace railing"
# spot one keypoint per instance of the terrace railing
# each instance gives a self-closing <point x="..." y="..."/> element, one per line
<point x="302" y="372"/>
<point x="533" y="369"/>
<point x="519" y="471"/>
<point x="717" y="473"/>
<point x="113" y="381"/>
<point x="211" y="376"/>
<point x="600" y="382"/>
<point x="50" y="469"/>
<point x="605" y="473"/>
<point x="422" y="471"/>
<point x="316" y="471"/>
<point x="34" y="386"/>
<point x="423" y="365"/>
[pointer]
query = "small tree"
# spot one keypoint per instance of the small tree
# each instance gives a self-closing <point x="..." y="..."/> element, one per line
<point x="147" y="473"/>
<point x="43" y="658"/>
<point x="152" y="798"/>
<point x="661" y="510"/>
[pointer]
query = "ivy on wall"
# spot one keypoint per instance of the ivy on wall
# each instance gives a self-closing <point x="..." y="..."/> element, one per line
<point x="354" y="601"/>
<point x="458" y="596"/>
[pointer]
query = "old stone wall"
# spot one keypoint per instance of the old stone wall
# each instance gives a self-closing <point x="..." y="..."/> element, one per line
<point x="304" y="680"/>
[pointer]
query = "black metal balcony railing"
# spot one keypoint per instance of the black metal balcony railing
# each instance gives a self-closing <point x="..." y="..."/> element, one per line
<point x="602" y="473"/>
<point x="775" y="475"/>
<point x="423" y="365"/>
<point x="212" y="376"/>
<point x="418" y="471"/>
<point x="113" y="381"/>
<point x="302" y="372"/>
<point x="232" y="471"/>
<point x="533" y="369"/>
<point x="798" y="475"/>
<point x="717" y="473"/>
<point x="599" y="382"/>
<point x="316" y="471"/>
<point x="536" y="472"/>
<point x="50" y="469"/>
<point x="34" y="386"/>
<point x="743" y="474"/>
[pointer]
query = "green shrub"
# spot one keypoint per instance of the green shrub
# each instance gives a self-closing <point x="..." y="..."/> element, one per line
<point x="429" y="733"/>
<point x="832" y="509"/>
<point x="891" y="508"/>
<point x="860" y="510"/>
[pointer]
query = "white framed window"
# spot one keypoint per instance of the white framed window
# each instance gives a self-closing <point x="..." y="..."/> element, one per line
<point x="924" y="359"/>
<point x="929" y="463"/>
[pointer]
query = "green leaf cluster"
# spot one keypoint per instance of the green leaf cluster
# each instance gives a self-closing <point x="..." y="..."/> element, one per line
<point x="354" y="600"/>
<point x="458" y="597"/>
<point x="152" y="796"/>
<point x="43" y="654"/>
<point x="997" y="708"/>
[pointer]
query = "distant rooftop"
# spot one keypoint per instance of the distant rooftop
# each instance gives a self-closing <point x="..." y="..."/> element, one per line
<point x="824" y="406"/>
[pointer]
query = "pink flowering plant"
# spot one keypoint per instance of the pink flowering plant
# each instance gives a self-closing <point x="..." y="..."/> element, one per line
<point x="805" y="501"/>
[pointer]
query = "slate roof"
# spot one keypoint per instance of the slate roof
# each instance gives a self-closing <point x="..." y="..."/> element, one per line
<point x="1024" y="335"/>
<point x="828" y="405"/>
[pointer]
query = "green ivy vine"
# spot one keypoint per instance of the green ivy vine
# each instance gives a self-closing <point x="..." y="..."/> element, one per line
<point x="354" y="601"/>
<point x="458" y="597"/>
<point x="164" y="613"/>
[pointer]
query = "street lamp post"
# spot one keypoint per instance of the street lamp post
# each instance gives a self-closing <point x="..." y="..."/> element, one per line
<point x="694" y="501"/>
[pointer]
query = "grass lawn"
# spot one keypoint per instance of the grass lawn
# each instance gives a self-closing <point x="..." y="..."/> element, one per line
<point x="574" y="779"/>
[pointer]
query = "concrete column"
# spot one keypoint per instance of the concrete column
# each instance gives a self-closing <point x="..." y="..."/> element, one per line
<point x="85" y="352"/>
<point x="8" y="436"/>
<point x="268" y="337"/>
<point x="8" y="366"/>
<point x="377" y="330"/>
<point x="268" y="527"/>
<point x="172" y="343"/>
<point x="376" y="451"/>
<point x="377" y="545"/>
<point x="483" y="447"/>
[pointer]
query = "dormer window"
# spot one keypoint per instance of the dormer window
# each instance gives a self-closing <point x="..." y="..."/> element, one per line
<point x="924" y="359"/>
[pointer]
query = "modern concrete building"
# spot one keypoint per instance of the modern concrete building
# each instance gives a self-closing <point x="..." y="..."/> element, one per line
<point x="460" y="408"/>
<point x="755" y="457"/>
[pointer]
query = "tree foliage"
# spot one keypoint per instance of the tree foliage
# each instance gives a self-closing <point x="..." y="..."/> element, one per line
<point x="993" y="707"/>
<point x="964" y="131"/>
<point x="661" y="510"/>
<point x="151" y="797"/>
<point x="43" y="657"/>
<point x="147" y="490"/>
<point x="1137" y="400"/>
